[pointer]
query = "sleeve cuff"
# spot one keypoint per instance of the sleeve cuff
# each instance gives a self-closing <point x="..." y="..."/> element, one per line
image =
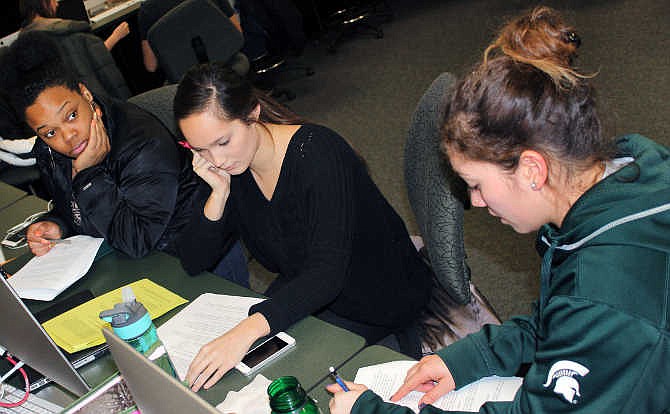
<point x="463" y="360"/>
<point x="363" y="403"/>
<point x="272" y="313"/>
<point x="371" y="403"/>
<point x="65" y="229"/>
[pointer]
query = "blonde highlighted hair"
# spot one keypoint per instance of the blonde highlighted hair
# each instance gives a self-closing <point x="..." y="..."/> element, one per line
<point x="542" y="39"/>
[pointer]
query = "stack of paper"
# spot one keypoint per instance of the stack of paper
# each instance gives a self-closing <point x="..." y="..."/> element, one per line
<point x="385" y="379"/>
<point x="206" y="318"/>
<point x="44" y="277"/>
<point x="80" y="327"/>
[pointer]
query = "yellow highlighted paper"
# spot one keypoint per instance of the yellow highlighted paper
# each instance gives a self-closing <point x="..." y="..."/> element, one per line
<point x="80" y="327"/>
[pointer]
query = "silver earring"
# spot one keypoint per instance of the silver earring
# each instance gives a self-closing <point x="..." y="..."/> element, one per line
<point x="533" y="185"/>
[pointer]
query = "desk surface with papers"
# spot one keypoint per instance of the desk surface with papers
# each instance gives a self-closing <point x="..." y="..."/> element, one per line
<point x="318" y="344"/>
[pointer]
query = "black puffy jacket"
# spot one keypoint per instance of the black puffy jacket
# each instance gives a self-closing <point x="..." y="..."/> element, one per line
<point x="138" y="198"/>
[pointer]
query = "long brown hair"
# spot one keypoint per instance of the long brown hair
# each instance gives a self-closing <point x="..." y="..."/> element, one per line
<point x="29" y="9"/>
<point x="215" y="85"/>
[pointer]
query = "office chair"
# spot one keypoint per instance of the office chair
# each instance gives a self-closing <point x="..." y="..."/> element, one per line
<point x="438" y="197"/>
<point x="86" y="54"/>
<point x="357" y="16"/>
<point x="196" y="31"/>
<point x="274" y="36"/>
<point x="25" y="178"/>
<point x="159" y="102"/>
<point x="17" y="164"/>
<point x="266" y="70"/>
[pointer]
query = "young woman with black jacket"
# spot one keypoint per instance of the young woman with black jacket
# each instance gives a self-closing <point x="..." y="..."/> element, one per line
<point x="113" y="170"/>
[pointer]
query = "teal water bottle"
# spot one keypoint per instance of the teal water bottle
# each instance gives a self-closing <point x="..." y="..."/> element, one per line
<point x="132" y="323"/>
<point x="288" y="397"/>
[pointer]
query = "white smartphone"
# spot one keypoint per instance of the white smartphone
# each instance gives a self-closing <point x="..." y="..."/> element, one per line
<point x="265" y="352"/>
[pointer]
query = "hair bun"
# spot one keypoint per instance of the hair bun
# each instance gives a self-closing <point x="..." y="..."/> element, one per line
<point x="541" y="38"/>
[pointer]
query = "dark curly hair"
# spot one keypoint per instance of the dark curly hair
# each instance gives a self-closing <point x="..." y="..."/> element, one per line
<point x="30" y="65"/>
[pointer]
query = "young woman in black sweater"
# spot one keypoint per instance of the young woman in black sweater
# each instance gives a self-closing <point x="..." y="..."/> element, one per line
<point x="304" y="205"/>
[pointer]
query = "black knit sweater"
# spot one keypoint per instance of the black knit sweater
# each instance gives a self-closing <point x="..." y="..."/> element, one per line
<point x="327" y="231"/>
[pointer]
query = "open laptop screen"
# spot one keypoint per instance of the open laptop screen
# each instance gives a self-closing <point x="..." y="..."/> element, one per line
<point x="25" y="338"/>
<point x="153" y="390"/>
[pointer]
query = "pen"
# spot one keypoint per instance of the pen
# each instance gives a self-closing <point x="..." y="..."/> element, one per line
<point x="184" y="144"/>
<point x="59" y="241"/>
<point x="338" y="380"/>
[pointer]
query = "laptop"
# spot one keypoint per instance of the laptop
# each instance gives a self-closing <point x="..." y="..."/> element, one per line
<point x="153" y="390"/>
<point x="95" y="11"/>
<point x="23" y="336"/>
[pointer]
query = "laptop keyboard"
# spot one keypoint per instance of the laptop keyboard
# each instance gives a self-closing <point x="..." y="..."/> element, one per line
<point x="33" y="405"/>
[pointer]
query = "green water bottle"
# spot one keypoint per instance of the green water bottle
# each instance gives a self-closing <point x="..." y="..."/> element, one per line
<point x="132" y="323"/>
<point x="288" y="397"/>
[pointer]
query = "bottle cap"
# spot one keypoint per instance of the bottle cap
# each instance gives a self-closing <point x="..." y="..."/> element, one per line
<point x="129" y="319"/>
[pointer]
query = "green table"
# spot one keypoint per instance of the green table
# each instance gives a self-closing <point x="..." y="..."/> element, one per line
<point x="15" y="214"/>
<point x="318" y="344"/>
<point x="371" y="355"/>
<point x="9" y="195"/>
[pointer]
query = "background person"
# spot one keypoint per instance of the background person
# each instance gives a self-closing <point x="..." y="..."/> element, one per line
<point x="305" y="206"/>
<point x="41" y="15"/>
<point x="523" y="132"/>
<point x="87" y="55"/>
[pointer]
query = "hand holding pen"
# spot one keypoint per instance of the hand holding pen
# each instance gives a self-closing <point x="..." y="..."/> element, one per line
<point x="41" y="235"/>
<point x="344" y="393"/>
<point x="336" y="377"/>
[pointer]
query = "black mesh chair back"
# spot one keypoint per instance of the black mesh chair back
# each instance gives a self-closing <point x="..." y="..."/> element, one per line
<point x="196" y="31"/>
<point x="435" y="192"/>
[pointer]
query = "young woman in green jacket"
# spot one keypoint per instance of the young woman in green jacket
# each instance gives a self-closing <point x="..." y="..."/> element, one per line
<point x="523" y="132"/>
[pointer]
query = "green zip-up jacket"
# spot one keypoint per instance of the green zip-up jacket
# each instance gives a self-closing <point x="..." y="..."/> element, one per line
<point x="598" y="341"/>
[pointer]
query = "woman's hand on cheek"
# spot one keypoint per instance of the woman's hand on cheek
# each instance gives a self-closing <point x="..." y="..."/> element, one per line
<point x="342" y="401"/>
<point x="217" y="178"/>
<point x="97" y="148"/>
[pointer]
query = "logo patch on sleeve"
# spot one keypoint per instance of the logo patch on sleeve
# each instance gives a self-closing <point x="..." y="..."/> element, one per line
<point x="563" y="374"/>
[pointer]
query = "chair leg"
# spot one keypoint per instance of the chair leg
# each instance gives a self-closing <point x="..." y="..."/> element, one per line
<point x="368" y="17"/>
<point x="331" y="45"/>
<point x="379" y="33"/>
<point x="386" y="13"/>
